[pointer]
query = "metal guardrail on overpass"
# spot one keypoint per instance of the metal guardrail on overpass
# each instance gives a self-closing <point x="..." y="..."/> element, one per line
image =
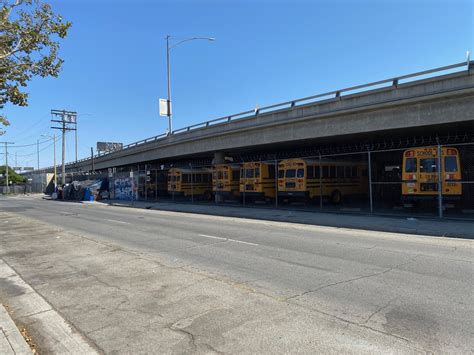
<point x="337" y="94"/>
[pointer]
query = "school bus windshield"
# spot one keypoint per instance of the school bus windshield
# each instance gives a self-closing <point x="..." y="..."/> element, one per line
<point x="450" y="164"/>
<point x="410" y="165"/>
<point x="428" y="165"/>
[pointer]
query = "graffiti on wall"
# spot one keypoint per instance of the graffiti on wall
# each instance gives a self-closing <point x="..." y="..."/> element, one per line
<point x="124" y="189"/>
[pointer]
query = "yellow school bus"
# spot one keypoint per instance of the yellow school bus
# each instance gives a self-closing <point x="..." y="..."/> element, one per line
<point x="420" y="174"/>
<point x="257" y="181"/>
<point x="190" y="182"/>
<point x="306" y="179"/>
<point x="225" y="180"/>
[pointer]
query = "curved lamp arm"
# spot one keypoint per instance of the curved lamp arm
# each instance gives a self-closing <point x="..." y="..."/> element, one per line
<point x="192" y="39"/>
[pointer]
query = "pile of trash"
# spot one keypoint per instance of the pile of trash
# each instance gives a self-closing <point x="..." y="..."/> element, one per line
<point x="87" y="190"/>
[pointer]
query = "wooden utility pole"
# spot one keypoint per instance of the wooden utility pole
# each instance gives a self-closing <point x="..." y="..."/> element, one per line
<point x="68" y="122"/>
<point x="6" y="164"/>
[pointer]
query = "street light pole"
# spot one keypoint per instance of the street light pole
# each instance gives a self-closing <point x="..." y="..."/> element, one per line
<point x="170" y="124"/>
<point x="168" y="64"/>
<point x="38" y="154"/>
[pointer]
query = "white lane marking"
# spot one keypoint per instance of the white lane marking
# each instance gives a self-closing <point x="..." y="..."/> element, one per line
<point x="211" y="236"/>
<point x="227" y="239"/>
<point x="115" y="221"/>
<point x="242" y="242"/>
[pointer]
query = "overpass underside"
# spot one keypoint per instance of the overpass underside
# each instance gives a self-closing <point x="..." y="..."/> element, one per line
<point x="446" y="120"/>
<point x="424" y="111"/>
<point x="427" y="108"/>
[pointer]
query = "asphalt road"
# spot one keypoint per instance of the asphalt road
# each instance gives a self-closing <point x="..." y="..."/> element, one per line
<point x="410" y="287"/>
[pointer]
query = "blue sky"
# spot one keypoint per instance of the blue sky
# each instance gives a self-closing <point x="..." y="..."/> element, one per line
<point x="265" y="52"/>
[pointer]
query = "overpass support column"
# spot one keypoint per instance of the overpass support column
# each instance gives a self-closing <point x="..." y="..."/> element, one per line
<point x="218" y="159"/>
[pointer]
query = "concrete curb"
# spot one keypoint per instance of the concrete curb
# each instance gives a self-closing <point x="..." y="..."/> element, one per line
<point x="11" y="340"/>
<point x="49" y="328"/>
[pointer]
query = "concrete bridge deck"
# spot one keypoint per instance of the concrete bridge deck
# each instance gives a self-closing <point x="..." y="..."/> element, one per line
<point x="443" y="99"/>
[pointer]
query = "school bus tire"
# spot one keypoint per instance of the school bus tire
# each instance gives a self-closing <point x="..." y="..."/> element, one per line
<point x="336" y="197"/>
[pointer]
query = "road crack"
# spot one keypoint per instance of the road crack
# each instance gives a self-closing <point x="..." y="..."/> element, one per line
<point x="353" y="279"/>
<point x="379" y="310"/>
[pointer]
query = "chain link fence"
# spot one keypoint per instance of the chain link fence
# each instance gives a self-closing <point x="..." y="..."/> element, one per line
<point x="430" y="181"/>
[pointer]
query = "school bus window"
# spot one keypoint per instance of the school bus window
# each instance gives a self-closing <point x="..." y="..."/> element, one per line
<point x="450" y="164"/>
<point x="410" y="165"/>
<point x="290" y="173"/>
<point x="249" y="173"/>
<point x="257" y="172"/>
<point x="235" y="175"/>
<point x="348" y="171"/>
<point x="281" y="174"/>
<point x="225" y="175"/>
<point x="317" y="172"/>
<point x="185" y="178"/>
<point x="300" y="173"/>
<point x="354" y="171"/>
<point x="271" y="171"/>
<point x="325" y="172"/>
<point x="197" y="178"/>
<point x="310" y="172"/>
<point x="428" y="165"/>
<point x="332" y="172"/>
<point x="340" y="171"/>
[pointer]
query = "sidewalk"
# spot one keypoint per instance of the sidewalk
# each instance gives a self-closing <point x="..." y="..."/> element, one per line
<point x="11" y="340"/>
<point x="395" y="224"/>
<point x="30" y="309"/>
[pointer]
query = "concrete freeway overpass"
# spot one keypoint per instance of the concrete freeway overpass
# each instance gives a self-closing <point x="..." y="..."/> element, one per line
<point x="409" y="102"/>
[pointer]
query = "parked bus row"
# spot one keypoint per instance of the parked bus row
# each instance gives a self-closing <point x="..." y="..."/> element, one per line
<point x="298" y="179"/>
<point x="311" y="179"/>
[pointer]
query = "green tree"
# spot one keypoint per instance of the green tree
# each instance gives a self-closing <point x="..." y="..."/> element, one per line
<point x="13" y="177"/>
<point x="29" y="43"/>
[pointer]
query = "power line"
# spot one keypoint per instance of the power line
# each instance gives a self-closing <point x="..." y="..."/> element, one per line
<point x="27" y="155"/>
<point x="15" y="138"/>
<point x="32" y="144"/>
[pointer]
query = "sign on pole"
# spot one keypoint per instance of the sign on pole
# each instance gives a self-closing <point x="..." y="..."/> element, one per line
<point x="165" y="108"/>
